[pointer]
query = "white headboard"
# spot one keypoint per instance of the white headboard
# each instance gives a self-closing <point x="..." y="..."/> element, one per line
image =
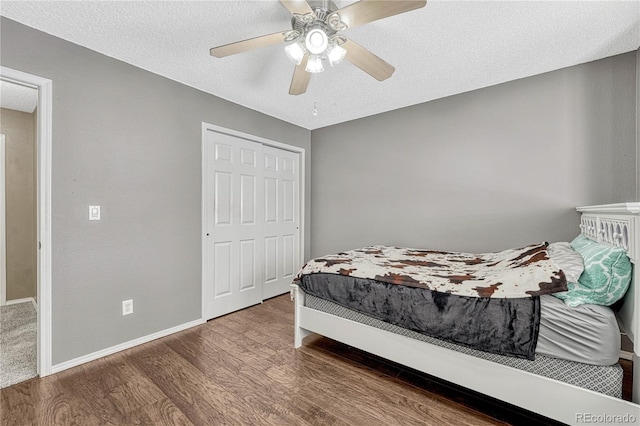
<point x="619" y="225"/>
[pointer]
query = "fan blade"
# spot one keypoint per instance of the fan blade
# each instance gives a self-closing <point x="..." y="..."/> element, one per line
<point x="300" y="79"/>
<point x="332" y="5"/>
<point x="367" y="61"/>
<point x="249" y="44"/>
<point x="366" y="11"/>
<point x="298" y="7"/>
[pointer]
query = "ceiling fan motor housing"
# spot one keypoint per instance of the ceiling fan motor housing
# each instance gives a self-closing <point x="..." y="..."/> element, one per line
<point x="314" y="32"/>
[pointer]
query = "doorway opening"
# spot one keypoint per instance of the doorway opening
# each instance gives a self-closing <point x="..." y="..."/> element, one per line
<point x="42" y="128"/>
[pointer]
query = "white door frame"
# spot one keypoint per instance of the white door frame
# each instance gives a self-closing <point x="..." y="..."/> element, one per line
<point x="3" y="233"/>
<point x="206" y="127"/>
<point x="44" y="134"/>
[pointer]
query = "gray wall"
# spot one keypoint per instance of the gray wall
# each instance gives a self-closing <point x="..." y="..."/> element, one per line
<point x="485" y="170"/>
<point x="129" y="141"/>
<point x="20" y="197"/>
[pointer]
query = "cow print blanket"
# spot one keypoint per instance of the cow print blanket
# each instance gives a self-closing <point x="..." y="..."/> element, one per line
<point x="484" y="301"/>
<point x="513" y="273"/>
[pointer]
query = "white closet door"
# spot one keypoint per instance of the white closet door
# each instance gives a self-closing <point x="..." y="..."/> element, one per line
<point x="233" y="247"/>
<point x="281" y="220"/>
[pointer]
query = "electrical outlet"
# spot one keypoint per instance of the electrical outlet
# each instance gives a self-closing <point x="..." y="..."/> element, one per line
<point x="127" y="307"/>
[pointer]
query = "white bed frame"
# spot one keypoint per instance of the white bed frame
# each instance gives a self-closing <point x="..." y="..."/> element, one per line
<point x="615" y="224"/>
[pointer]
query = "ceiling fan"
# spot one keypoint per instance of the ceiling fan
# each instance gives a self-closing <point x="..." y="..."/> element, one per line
<point x="316" y="36"/>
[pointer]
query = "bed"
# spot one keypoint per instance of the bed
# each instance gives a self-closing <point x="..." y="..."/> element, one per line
<point x="583" y="386"/>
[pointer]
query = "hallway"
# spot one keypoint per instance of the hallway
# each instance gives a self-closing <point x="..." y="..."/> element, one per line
<point x="18" y="334"/>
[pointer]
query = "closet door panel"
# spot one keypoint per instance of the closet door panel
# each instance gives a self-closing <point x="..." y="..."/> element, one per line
<point x="281" y="229"/>
<point x="251" y="219"/>
<point x="233" y="240"/>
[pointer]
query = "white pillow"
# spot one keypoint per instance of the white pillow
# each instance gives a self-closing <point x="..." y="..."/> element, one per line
<point x="569" y="260"/>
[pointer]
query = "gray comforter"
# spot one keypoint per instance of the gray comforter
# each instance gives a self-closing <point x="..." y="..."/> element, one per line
<point x="505" y="326"/>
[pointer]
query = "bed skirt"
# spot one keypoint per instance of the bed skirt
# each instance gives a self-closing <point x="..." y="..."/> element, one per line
<point x="603" y="379"/>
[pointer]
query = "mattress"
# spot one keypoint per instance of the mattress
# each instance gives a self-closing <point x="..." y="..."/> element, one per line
<point x="587" y="333"/>
<point x="606" y="379"/>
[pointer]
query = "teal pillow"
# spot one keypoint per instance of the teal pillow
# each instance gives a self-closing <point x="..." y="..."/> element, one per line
<point x="606" y="276"/>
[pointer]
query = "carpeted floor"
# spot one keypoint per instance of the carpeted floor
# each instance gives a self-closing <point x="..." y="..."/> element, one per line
<point x="18" y="334"/>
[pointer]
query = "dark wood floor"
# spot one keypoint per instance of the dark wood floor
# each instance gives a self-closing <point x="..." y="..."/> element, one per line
<point x="242" y="369"/>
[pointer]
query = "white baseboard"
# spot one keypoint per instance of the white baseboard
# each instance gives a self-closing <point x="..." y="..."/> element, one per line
<point x="122" y="346"/>
<point x="25" y="300"/>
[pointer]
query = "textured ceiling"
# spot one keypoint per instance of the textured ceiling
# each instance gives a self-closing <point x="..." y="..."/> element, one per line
<point x="445" y="48"/>
<point x="16" y="97"/>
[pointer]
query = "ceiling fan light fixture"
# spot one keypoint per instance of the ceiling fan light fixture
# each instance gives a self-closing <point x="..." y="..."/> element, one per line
<point x="314" y="64"/>
<point x="315" y="36"/>
<point x="336" y="54"/>
<point x="295" y="52"/>
<point x="316" y="41"/>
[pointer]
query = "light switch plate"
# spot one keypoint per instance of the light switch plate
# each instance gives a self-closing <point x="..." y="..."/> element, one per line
<point x="94" y="212"/>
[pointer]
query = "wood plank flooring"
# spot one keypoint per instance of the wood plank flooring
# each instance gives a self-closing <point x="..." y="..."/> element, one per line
<point x="242" y="369"/>
<point x="627" y="381"/>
